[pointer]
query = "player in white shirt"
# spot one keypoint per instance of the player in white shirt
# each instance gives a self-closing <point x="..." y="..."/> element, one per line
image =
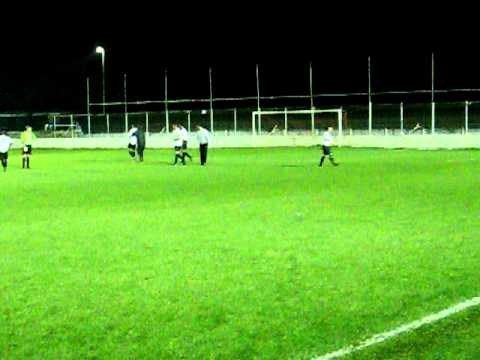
<point x="132" y="141"/>
<point x="177" y="144"/>
<point x="184" y="142"/>
<point x="5" y="144"/>
<point x="327" y="142"/>
<point x="203" y="137"/>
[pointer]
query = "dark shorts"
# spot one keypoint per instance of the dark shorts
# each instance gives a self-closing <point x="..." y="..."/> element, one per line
<point x="326" y="150"/>
<point x="27" y="150"/>
<point x="177" y="148"/>
<point x="184" y="145"/>
<point x="3" y="156"/>
<point x="131" y="147"/>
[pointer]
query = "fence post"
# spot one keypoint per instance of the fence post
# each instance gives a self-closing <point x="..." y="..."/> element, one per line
<point x="108" y="123"/>
<point x="146" y="123"/>
<point x="433" y="117"/>
<point x="235" y="121"/>
<point x="370" y="118"/>
<point x="211" y="120"/>
<point x="340" y="124"/>
<point x="466" y="117"/>
<point x="167" y="122"/>
<point x="188" y="120"/>
<point x="285" y="131"/>
<point x="312" y="119"/>
<point x="253" y="123"/>
<point x="89" y="125"/>
<point x="401" y="118"/>
<point x="71" y="125"/>
<point x="54" y="126"/>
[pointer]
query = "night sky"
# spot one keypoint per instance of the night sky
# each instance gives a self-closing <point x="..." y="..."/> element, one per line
<point x="46" y="57"/>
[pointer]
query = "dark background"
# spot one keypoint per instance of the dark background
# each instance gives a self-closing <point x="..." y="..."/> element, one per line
<point x="48" y="53"/>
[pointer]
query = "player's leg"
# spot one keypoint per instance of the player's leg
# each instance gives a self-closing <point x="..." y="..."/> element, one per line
<point x="330" y="157"/>
<point x="185" y="153"/>
<point x="24" y="157"/>
<point x="29" y="155"/>
<point x="27" y="150"/>
<point x="203" y="154"/>
<point x="131" y="150"/>
<point x="325" y="153"/>
<point x="140" y="153"/>
<point x="4" y="157"/>
<point x="182" y="156"/>
<point x="178" y="155"/>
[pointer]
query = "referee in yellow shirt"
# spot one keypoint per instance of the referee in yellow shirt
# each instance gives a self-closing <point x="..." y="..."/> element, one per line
<point x="27" y="138"/>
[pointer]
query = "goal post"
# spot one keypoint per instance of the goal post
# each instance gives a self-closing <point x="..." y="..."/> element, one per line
<point x="259" y="115"/>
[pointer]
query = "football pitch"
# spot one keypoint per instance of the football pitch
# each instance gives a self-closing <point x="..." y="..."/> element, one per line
<point x="258" y="255"/>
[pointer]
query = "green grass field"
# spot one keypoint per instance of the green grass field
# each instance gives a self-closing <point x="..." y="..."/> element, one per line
<point x="260" y="254"/>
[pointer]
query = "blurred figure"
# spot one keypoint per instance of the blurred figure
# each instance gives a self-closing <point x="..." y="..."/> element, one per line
<point x="27" y="138"/>
<point x="5" y="144"/>
<point x="327" y="142"/>
<point x="203" y="137"/>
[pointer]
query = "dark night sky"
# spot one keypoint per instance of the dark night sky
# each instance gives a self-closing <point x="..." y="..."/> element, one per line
<point x="46" y="57"/>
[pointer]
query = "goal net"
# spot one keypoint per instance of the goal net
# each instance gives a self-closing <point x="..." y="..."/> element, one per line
<point x="301" y="122"/>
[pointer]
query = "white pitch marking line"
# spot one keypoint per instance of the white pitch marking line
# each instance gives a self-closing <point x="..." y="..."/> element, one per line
<point x="376" y="339"/>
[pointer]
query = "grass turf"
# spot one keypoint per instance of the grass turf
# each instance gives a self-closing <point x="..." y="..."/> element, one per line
<point x="260" y="254"/>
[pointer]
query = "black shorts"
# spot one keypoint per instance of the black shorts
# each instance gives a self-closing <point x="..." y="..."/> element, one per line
<point x="178" y="148"/>
<point x="27" y="150"/>
<point x="3" y="156"/>
<point x="184" y="145"/>
<point x="131" y="146"/>
<point x="326" y="150"/>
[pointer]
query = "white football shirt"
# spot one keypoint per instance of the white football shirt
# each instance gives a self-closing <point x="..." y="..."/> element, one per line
<point x="5" y="142"/>
<point x="203" y="136"/>
<point x="184" y="133"/>
<point x="177" y="137"/>
<point x="327" y="138"/>
<point x="132" y="139"/>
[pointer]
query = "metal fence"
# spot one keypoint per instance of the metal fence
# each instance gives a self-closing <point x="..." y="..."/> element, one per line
<point x="395" y="118"/>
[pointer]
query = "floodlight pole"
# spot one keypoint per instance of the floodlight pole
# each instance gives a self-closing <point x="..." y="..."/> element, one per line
<point x="370" y="107"/>
<point x="401" y="118"/>
<point x="167" y="125"/>
<point x="433" y="94"/>
<point x="312" y="115"/>
<point x="466" y="116"/>
<point x="88" y="107"/>
<point x="125" y="100"/>
<point x="103" y="81"/>
<point x="258" y="106"/>
<point x="101" y="50"/>
<point x="211" y="99"/>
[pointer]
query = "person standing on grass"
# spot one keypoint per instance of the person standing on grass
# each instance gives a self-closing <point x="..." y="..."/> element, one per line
<point x="177" y="144"/>
<point x="27" y="138"/>
<point x="185" y="142"/>
<point x="327" y="143"/>
<point x="132" y="141"/>
<point x="203" y="137"/>
<point x="140" y="135"/>
<point x="5" y="144"/>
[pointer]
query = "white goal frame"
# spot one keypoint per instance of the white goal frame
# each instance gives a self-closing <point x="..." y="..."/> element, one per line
<point x="257" y="114"/>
